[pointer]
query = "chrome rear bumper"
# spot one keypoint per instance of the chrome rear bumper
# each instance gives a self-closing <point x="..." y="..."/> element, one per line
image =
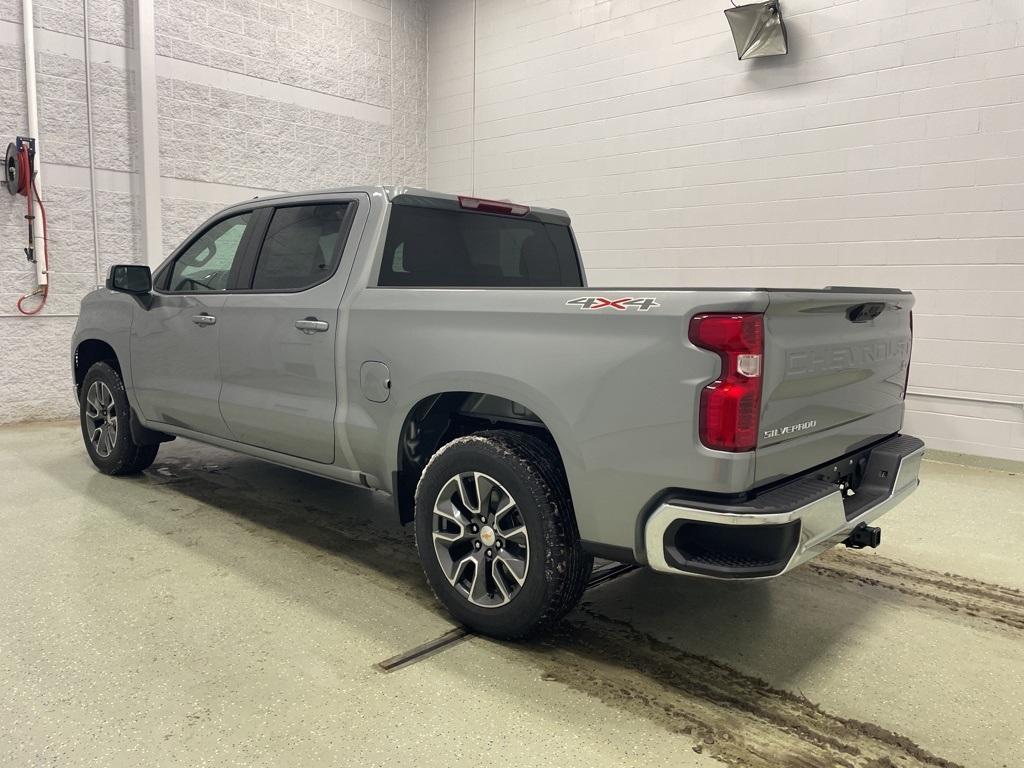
<point x="758" y="539"/>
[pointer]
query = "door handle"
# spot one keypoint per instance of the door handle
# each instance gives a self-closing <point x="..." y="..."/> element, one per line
<point x="204" y="319"/>
<point x="312" y="325"/>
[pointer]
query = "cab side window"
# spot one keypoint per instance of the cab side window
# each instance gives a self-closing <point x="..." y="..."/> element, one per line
<point x="302" y="247"/>
<point x="205" y="266"/>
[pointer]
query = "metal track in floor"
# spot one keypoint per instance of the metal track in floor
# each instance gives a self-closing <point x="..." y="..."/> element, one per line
<point x="601" y="575"/>
<point x="424" y="651"/>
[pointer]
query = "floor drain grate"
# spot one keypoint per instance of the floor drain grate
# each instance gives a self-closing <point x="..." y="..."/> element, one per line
<point x="420" y="652"/>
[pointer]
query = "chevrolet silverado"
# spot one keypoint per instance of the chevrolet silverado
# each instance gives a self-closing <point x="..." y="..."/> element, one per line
<point x="448" y="351"/>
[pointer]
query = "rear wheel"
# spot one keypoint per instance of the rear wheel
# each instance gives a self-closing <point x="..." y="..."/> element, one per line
<point x="106" y="426"/>
<point x="496" y="533"/>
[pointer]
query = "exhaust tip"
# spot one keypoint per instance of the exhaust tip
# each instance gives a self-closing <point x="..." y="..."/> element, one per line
<point x="864" y="535"/>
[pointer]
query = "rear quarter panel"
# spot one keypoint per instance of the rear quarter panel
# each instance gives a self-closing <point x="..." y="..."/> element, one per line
<point x="617" y="389"/>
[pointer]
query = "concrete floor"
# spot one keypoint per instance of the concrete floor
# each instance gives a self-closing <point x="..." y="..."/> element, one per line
<point x="221" y="611"/>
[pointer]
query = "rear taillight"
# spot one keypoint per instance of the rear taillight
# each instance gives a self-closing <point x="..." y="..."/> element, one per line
<point x="730" y="407"/>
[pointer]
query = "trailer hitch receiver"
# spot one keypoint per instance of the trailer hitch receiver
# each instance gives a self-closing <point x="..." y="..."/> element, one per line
<point x="864" y="535"/>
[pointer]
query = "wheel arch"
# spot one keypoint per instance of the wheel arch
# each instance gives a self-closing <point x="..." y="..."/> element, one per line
<point x="88" y="352"/>
<point x="440" y="417"/>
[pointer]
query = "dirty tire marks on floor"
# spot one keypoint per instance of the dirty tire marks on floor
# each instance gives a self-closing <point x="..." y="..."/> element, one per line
<point x="978" y="600"/>
<point x="736" y="718"/>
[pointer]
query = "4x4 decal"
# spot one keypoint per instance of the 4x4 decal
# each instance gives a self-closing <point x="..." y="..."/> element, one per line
<point x="642" y="304"/>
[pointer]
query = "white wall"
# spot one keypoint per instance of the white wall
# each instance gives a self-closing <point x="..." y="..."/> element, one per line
<point x="886" y="149"/>
<point x="290" y="95"/>
<point x="35" y="358"/>
<point x="253" y="97"/>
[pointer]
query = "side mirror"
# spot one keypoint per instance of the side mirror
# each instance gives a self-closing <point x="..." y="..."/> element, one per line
<point x="135" y="279"/>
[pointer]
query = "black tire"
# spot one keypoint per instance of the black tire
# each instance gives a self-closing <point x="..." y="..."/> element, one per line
<point x="123" y="455"/>
<point x="530" y="470"/>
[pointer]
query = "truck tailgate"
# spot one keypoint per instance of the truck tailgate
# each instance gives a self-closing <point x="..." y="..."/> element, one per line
<point x="835" y="367"/>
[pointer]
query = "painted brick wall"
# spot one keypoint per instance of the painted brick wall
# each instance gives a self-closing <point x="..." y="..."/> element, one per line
<point x="290" y="95"/>
<point x="253" y="97"/>
<point x="34" y="352"/>
<point x="310" y="45"/>
<point x="410" y="89"/>
<point x="209" y="133"/>
<point x="886" y="149"/>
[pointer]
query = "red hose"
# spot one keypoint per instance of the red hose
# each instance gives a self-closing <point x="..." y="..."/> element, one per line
<point x="25" y="170"/>
<point x="28" y="188"/>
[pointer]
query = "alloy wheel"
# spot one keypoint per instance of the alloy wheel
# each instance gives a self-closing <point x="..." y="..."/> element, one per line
<point x="480" y="539"/>
<point x="101" y="418"/>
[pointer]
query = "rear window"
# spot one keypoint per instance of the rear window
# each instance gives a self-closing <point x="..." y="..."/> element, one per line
<point x="301" y="248"/>
<point x="429" y="247"/>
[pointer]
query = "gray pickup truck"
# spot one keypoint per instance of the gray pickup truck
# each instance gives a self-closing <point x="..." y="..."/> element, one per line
<point x="448" y="351"/>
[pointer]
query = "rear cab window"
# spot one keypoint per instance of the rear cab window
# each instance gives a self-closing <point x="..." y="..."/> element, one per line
<point x="302" y="246"/>
<point x="441" y="245"/>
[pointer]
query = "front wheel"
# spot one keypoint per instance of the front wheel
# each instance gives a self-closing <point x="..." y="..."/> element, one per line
<point x="106" y="424"/>
<point x="496" y="533"/>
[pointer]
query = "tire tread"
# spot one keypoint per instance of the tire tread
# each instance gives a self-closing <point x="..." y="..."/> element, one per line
<point x="128" y="457"/>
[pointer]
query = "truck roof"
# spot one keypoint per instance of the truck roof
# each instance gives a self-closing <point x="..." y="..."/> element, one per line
<point x="393" y="191"/>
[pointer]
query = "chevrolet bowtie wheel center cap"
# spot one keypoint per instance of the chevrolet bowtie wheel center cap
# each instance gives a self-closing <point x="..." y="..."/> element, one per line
<point x="487" y="536"/>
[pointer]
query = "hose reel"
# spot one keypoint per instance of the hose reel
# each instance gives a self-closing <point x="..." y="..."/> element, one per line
<point x="19" y="178"/>
<point x="18" y="165"/>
